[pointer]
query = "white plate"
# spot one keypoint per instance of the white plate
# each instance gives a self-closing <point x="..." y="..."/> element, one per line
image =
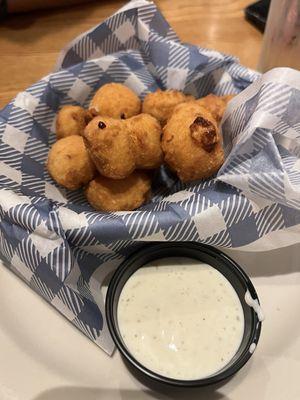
<point x="51" y="360"/>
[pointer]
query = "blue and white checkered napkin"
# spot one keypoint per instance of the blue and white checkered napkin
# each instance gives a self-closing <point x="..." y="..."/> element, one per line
<point x="62" y="248"/>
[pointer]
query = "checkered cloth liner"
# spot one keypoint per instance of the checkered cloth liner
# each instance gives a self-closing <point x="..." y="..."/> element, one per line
<point x="62" y="248"/>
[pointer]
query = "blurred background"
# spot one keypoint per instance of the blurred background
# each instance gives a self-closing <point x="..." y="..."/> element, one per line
<point x="31" y="38"/>
<point x="32" y="32"/>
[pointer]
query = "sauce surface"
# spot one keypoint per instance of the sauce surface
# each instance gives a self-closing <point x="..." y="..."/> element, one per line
<point x="180" y="318"/>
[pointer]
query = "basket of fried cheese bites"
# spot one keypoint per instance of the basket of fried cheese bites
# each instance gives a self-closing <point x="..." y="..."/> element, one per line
<point x="112" y="149"/>
<point x="137" y="138"/>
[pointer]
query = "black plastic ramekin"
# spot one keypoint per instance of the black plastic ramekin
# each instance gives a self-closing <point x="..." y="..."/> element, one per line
<point x="207" y="254"/>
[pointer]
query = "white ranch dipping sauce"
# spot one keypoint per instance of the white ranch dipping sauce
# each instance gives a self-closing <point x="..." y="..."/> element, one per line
<point x="180" y="318"/>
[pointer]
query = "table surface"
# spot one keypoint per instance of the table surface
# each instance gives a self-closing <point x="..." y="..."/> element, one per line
<point x="30" y="43"/>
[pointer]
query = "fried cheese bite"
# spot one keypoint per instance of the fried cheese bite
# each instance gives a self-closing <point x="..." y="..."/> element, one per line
<point x="160" y="104"/>
<point x="69" y="163"/>
<point x="215" y="104"/>
<point x="105" y="194"/>
<point x="71" y="120"/>
<point x="116" y="101"/>
<point x="145" y="134"/>
<point x="191" y="143"/>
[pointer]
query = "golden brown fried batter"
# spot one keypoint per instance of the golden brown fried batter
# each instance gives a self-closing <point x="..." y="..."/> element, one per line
<point x="145" y="134"/>
<point x="119" y="147"/>
<point x="71" y="120"/>
<point x="227" y="97"/>
<point x="69" y="163"/>
<point x="116" y="101"/>
<point x="108" y="142"/>
<point x="119" y="195"/>
<point x="215" y="104"/>
<point x="160" y="104"/>
<point x="191" y="143"/>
